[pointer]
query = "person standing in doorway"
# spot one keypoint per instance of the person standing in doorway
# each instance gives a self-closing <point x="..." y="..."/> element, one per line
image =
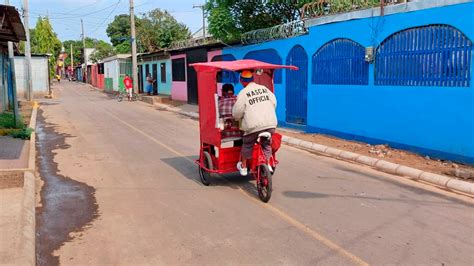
<point x="149" y="84"/>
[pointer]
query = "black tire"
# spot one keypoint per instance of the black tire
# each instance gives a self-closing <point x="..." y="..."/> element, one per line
<point x="264" y="191"/>
<point x="134" y="97"/>
<point x="203" y="174"/>
<point x="119" y="98"/>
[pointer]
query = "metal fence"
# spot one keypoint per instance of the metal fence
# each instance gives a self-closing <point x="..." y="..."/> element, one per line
<point x="433" y="55"/>
<point x="291" y="29"/>
<point x="330" y="7"/>
<point x="340" y="61"/>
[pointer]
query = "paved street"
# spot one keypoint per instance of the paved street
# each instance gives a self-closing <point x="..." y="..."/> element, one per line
<point x="121" y="188"/>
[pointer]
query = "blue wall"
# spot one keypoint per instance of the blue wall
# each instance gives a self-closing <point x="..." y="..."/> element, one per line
<point x="164" y="87"/>
<point x="438" y="121"/>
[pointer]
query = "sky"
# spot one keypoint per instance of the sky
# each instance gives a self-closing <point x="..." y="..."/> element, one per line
<point x="65" y="15"/>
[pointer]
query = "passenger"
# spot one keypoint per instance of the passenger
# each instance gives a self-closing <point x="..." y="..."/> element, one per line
<point x="226" y="103"/>
<point x="255" y="107"/>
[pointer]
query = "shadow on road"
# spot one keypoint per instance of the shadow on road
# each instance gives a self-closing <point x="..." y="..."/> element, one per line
<point x="187" y="167"/>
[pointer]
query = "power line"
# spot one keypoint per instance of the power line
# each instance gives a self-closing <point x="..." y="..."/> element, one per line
<point x="83" y="15"/>
<point x="103" y="22"/>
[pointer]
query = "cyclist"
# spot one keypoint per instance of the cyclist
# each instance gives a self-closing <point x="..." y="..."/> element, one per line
<point x="255" y="107"/>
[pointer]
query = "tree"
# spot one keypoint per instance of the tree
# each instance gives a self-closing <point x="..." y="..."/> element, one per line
<point x="229" y="19"/>
<point x="119" y="29"/>
<point x="155" y="29"/>
<point x="102" y="50"/>
<point x="45" y="41"/>
<point x="77" y="51"/>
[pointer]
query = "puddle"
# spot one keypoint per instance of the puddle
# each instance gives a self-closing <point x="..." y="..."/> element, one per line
<point x="68" y="206"/>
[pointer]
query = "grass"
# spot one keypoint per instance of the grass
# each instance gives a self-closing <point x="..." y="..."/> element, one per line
<point x="7" y="120"/>
<point x="7" y="127"/>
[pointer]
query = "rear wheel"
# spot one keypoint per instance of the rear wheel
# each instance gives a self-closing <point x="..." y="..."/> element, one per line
<point x="119" y="97"/>
<point x="203" y="174"/>
<point x="134" y="97"/>
<point x="264" y="184"/>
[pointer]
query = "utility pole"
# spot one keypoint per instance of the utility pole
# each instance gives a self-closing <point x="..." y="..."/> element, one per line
<point x="29" y="83"/>
<point x="72" y="60"/>
<point x="134" y="48"/>
<point x="203" y="19"/>
<point x="84" y="71"/>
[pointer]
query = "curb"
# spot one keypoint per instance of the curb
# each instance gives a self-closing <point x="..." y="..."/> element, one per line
<point x="385" y="166"/>
<point x="381" y="165"/>
<point x="26" y="251"/>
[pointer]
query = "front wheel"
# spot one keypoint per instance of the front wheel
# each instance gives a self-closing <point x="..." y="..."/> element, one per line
<point x="203" y="174"/>
<point x="119" y="97"/>
<point x="134" y="97"/>
<point x="264" y="183"/>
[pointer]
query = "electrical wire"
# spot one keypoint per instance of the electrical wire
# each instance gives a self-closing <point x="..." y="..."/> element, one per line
<point x="103" y="22"/>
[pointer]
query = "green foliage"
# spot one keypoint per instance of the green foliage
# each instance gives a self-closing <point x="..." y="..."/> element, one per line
<point x="155" y="29"/>
<point x="24" y="133"/>
<point x="158" y="29"/>
<point x="123" y="48"/>
<point x="119" y="29"/>
<point x="102" y="50"/>
<point x="77" y="51"/>
<point x="44" y="40"/>
<point x="7" y="120"/>
<point x="229" y="19"/>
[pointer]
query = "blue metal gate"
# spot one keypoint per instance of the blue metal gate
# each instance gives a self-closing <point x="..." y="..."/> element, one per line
<point x="432" y="55"/>
<point x="297" y="86"/>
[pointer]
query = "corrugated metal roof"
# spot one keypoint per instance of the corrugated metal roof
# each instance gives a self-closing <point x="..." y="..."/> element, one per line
<point x="11" y="26"/>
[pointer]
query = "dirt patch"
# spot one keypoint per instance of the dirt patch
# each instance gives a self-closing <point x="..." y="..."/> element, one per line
<point x="387" y="153"/>
<point x="11" y="179"/>
<point x="67" y="206"/>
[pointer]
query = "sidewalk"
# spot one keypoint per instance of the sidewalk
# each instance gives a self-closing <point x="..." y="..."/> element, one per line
<point x="10" y="215"/>
<point x="14" y="153"/>
<point x="406" y="164"/>
<point x="17" y="196"/>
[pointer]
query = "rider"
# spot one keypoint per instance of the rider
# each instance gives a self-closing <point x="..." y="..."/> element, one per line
<point x="255" y="106"/>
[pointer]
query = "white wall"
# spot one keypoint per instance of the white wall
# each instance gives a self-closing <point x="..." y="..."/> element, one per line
<point x="39" y="75"/>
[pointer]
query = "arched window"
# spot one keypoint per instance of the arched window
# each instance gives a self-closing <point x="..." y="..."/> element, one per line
<point x="340" y="61"/>
<point x="432" y="55"/>
<point x="225" y="76"/>
<point x="268" y="56"/>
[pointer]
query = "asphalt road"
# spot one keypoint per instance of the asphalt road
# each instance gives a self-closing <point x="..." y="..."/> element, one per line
<point x="121" y="188"/>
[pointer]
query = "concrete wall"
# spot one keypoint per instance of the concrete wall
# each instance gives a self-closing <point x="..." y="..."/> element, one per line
<point x="39" y="76"/>
<point x="438" y="121"/>
<point x="111" y="71"/>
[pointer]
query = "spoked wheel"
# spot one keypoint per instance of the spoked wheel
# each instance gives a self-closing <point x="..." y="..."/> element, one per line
<point x="134" y="97"/>
<point x="203" y="174"/>
<point x="119" y="97"/>
<point x="264" y="183"/>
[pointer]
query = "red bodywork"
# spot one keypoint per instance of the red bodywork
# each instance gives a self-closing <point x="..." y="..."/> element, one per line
<point x="225" y="159"/>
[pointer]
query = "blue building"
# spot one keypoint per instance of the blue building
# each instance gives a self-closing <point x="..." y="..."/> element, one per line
<point x="416" y="94"/>
<point x="158" y="64"/>
<point x="12" y="31"/>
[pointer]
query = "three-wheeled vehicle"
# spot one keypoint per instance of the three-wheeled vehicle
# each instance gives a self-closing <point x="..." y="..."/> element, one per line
<point x="220" y="143"/>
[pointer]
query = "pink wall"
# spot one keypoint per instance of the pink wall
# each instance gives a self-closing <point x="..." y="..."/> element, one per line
<point x="210" y="55"/>
<point x="179" y="89"/>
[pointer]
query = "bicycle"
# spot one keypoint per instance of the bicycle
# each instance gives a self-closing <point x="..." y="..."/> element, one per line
<point x="122" y="94"/>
